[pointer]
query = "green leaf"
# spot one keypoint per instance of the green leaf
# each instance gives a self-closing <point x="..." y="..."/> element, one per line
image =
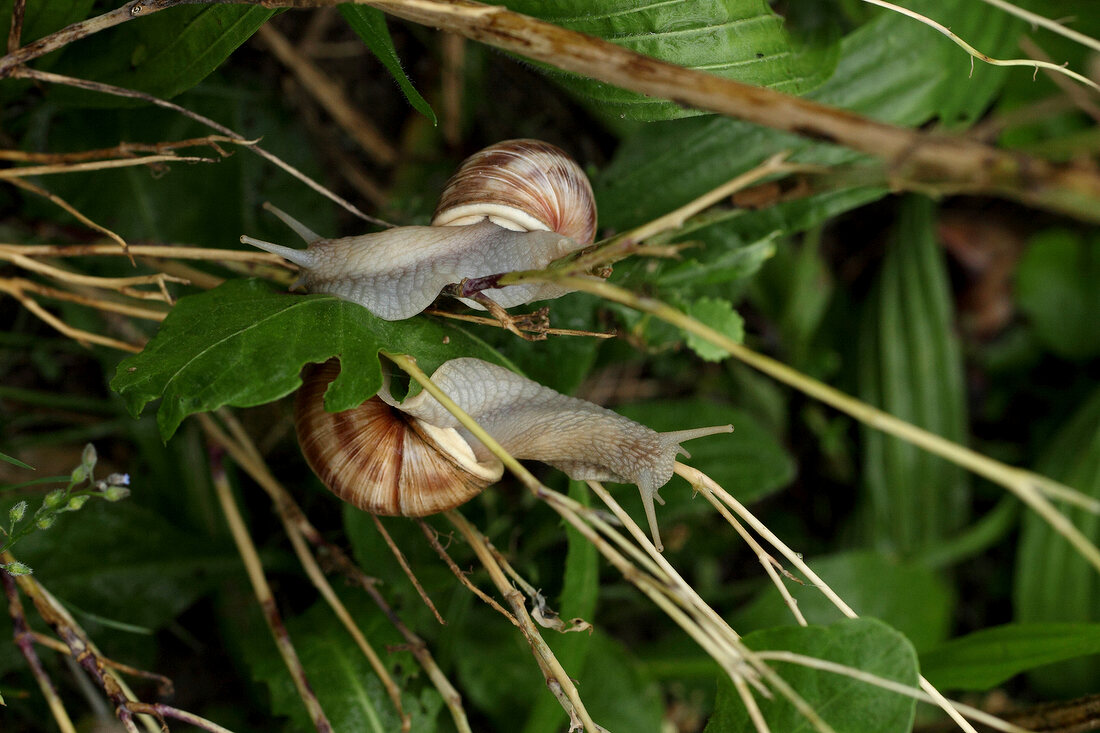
<point x="1053" y="582"/>
<point x="750" y="462"/>
<point x="910" y="365"/>
<point x="15" y="462"/>
<point x="1056" y="288"/>
<point x="734" y="39"/>
<point x="849" y="706"/>
<point x="719" y="315"/>
<point x="989" y="657"/>
<point x="43" y="17"/>
<point x="164" y="54"/>
<point x="370" y="25"/>
<point x="244" y="344"/>
<point x="873" y="585"/>
<point x="346" y="686"/>
<point x="891" y="69"/>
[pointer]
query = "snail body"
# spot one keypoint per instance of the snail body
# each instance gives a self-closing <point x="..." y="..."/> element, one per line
<point x="530" y="421"/>
<point x="516" y="205"/>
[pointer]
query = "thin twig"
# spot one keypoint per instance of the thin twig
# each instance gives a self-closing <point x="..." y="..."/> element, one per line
<point x="433" y="540"/>
<point x="126" y="309"/>
<point x="43" y="170"/>
<point x="255" y="571"/>
<point x="164" y="251"/>
<point x="65" y="205"/>
<point x="24" y="639"/>
<point x="1047" y="23"/>
<point x="483" y="321"/>
<point x="161" y="711"/>
<point x="82" y="337"/>
<point x="121" y="284"/>
<point x="123" y="150"/>
<point x="404" y="563"/>
<point x="18" y="10"/>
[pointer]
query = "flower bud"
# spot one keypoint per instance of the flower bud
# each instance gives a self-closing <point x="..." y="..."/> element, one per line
<point x="16" y="513"/>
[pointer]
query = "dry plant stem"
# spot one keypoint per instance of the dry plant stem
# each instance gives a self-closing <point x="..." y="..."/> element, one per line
<point x="404" y="563"/>
<point x="66" y="206"/>
<point x="262" y="591"/>
<point x="543" y="655"/>
<point x="162" y="711"/>
<point x="19" y="8"/>
<point x="134" y="311"/>
<point x="162" y="251"/>
<point x="121" y="284"/>
<point x="691" y="476"/>
<point x="926" y="159"/>
<point x="1028" y="486"/>
<point x="887" y="684"/>
<point x="704" y="483"/>
<point x="50" y="78"/>
<point x="123" y="150"/>
<point x="452" y="49"/>
<point x="483" y="321"/>
<point x="433" y="540"/>
<point x="244" y="452"/>
<point x="82" y="337"/>
<point x="330" y="96"/>
<point x="1047" y="23"/>
<point x="82" y="650"/>
<point x="42" y="170"/>
<point x="24" y="639"/>
<point x="975" y="53"/>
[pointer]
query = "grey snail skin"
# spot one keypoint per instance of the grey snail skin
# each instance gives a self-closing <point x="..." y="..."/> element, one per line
<point x="516" y="205"/>
<point x="414" y="458"/>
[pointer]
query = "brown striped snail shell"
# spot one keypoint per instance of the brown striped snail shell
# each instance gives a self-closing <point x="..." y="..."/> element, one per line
<point x="516" y="205"/>
<point x="360" y="453"/>
<point x="383" y="461"/>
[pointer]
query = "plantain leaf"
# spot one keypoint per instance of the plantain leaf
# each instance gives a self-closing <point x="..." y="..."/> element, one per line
<point x="243" y="344"/>
<point x="1053" y="582"/>
<point x="986" y="658"/>
<point x="370" y="25"/>
<point x="736" y="39"/>
<point x="848" y="705"/>
<point x="910" y="365"/>
<point x="164" y="54"/>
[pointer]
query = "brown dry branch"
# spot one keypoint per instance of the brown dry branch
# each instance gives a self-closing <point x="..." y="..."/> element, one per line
<point x="134" y="311"/>
<point x="93" y="86"/>
<point x="120" y="284"/>
<point x="244" y="452"/>
<point x="433" y="540"/>
<point x="483" y="321"/>
<point x="18" y="10"/>
<point x="82" y="337"/>
<point x="452" y="49"/>
<point x="96" y="165"/>
<point x="914" y="158"/>
<point x="557" y="680"/>
<point x="123" y="150"/>
<point x="65" y="205"/>
<point x="405" y="568"/>
<point x="24" y="640"/>
<point x="330" y="95"/>
<point x="262" y="590"/>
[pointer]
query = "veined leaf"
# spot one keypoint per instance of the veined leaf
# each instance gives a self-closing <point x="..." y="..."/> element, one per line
<point x="1053" y="582"/>
<point x="986" y="658"/>
<point x="735" y="39"/>
<point x="243" y="344"/>
<point x="848" y="705"/>
<point x="910" y="365"/>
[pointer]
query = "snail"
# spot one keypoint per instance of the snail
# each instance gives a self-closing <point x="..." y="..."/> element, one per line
<point x="414" y="458"/>
<point x="516" y="205"/>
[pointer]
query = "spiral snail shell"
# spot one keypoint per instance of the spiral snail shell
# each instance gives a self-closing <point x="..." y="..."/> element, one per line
<point x="377" y="455"/>
<point x="516" y="205"/>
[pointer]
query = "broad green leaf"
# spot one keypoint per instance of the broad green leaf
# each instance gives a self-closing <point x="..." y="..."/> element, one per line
<point x="873" y="585"/>
<point x="370" y="25"/>
<point x="42" y="17"/>
<point x="1053" y="583"/>
<point x="244" y="344"/>
<point x="719" y="315"/>
<point x="164" y="54"/>
<point x="892" y="69"/>
<point x="15" y="461"/>
<point x="989" y="657"/>
<point x="735" y="39"/>
<point x="911" y="366"/>
<point x="1056" y="288"/>
<point x="749" y="462"/>
<point x="848" y="705"/>
<point x="347" y="688"/>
